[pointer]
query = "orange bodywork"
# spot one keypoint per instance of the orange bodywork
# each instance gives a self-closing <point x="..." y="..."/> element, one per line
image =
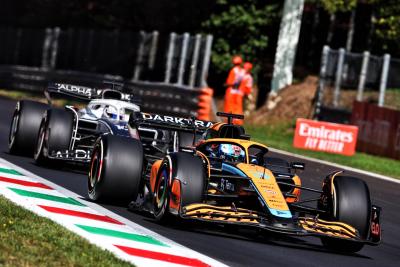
<point x="296" y="191"/>
<point x="265" y="182"/>
<point x="153" y="174"/>
<point x="330" y="228"/>
<point x="175" y="196"/>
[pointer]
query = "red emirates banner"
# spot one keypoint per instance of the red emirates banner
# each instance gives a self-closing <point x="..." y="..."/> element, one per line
<point x="325" y="136"/>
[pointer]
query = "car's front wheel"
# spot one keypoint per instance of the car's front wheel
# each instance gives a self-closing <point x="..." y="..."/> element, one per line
<point x="180" y="181"/>
<point x="351" y="204"/>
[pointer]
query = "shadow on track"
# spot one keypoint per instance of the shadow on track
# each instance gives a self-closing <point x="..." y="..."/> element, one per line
<point x="251" y="235"/>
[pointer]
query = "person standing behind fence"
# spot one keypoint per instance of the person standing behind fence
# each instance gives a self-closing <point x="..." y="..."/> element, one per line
<point x="245" y="90"/>
<point x="232" y="93"/>
<point x="246" y="85"/>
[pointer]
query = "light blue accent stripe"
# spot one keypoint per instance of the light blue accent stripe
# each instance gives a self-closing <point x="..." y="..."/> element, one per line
<point x="281" y="213"/>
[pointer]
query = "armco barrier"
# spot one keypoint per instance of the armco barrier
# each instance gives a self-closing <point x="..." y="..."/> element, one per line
<point x="379" y="129"/>
<point x="157" y="97"/>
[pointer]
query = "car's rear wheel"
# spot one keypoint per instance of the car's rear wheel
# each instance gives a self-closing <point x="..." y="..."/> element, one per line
<point x="115" y="169"/>
<point x="55" y="134"/>
<point x="351" y="204"/>
<point x="24" y="127"/>
<point x="188" y="173"/>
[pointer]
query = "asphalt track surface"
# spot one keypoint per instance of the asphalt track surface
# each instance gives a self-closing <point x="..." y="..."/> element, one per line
<point x="244" y="248"/>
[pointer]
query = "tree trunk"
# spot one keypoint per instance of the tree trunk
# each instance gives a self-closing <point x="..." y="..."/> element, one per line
<point x="331" y="29"/>
<point x="350" y="33"/>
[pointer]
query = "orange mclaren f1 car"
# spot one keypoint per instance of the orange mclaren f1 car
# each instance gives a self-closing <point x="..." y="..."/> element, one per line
<point x="227" y="179"/>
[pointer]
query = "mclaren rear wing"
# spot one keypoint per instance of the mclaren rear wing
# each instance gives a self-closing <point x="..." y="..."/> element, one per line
<point x="87" y="93"/>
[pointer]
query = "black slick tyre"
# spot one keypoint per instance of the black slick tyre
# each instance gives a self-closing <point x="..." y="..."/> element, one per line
<point x="24" y="127"/>
<point x="351" y="205"/>
<point x="190" y="172"/>
<point x="55" y="134"/>
<point x="115" y="169"/>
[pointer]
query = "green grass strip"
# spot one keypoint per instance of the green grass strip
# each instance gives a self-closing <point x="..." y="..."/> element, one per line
<point x="9" y="171"/>
<point x="31" y="240"/>
<point x="66" y="200"/>
<point x="119" y="234"/>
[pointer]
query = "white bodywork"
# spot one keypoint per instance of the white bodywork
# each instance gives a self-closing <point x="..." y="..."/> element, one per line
<point x="108" y="108"/>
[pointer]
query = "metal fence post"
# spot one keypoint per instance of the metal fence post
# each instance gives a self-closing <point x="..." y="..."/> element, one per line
<point x="153" y="49"/>
<point x="170" y="56"/>
<point x="181" y="69"/>
<point x="384" y="77"/>
<point x="54" y="48"/>
<point x="139" y="56"/>
<point x="195" y="60"/>
<point x="206" y="61"/>
<point x="322" y="77"/>
<point x="338" y="80"/>
<point x="363" y="76"/>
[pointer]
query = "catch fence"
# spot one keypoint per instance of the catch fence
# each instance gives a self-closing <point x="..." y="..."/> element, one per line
<point x="181" y="59"/>
<point x="166" y="71"/>
<point x="156" y="97"/>
<point x="346" y="77"/>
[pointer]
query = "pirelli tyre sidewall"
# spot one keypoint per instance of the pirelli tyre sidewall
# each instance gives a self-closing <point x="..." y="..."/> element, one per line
<point x="189" y="170"/>
<point x="24" y="127"/>
<point x="351" y="204"/>
<point x="115" y="169"/>
<point x="55" y="134"/>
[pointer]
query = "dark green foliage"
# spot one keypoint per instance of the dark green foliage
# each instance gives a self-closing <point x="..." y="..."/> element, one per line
<point x="333" y="6"/>
<point x="387" y="26"/>
<point x="385" y="21"/>
<point x="241" y="28"/>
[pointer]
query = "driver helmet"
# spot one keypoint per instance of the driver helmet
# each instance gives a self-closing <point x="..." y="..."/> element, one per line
<point x="111" y="112"/>
<point x="232" y="152"/>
